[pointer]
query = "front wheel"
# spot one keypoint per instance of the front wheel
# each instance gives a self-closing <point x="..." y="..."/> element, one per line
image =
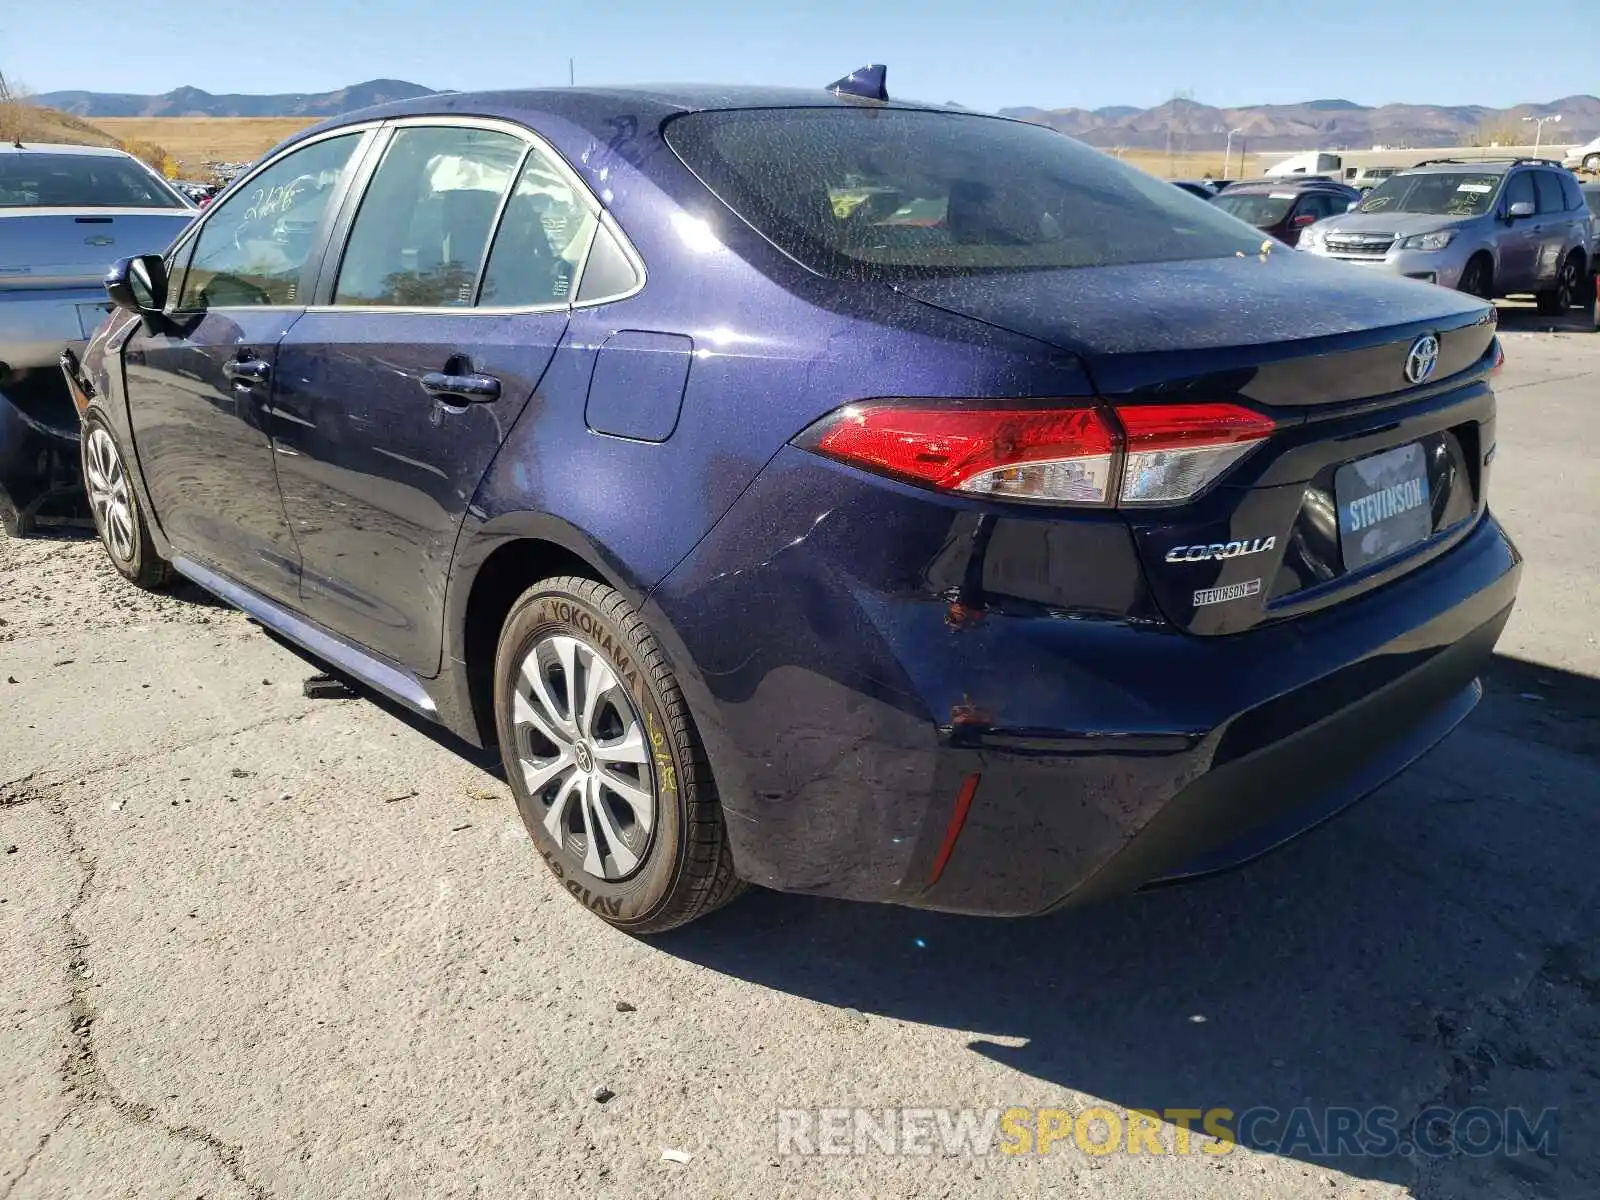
<point x="1477" y="278"/>
<point x="601" y="754"/>
<point x="1592" y="163"/>
<point x="115" y="505"/>
<point x="1568" y="287"/>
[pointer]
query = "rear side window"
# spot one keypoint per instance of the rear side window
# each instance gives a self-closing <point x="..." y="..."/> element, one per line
<point x="1548" y="186"/>
<point x="898" y="193"/>
<point x="421" y="234"/>
<point x="541" y="240"/>
<point x="1571" y="192"/>
<point x="36" y="180"/>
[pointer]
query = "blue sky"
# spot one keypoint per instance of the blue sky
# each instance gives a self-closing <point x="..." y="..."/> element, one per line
<point x="986" y="54"/>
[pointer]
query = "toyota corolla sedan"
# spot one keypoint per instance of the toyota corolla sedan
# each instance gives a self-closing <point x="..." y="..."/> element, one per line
<point x="817" y="491"/>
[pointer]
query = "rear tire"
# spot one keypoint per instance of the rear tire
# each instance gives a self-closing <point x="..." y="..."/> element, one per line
<point x="1569" y="286"/>
<point x="608" y="772"/>
<point x="115" y="505"/>
<point x="1477" y="277"/>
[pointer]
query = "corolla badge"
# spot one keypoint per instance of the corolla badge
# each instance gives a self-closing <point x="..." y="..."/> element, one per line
<point x="1218" y="550"/>
<point x="98" y="240"/>
<point x="1423" y="358"/>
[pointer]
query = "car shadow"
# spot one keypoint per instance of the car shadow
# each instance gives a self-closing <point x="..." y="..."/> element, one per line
<point x="1524" y="317"/>
<point x="1348" y="969"/>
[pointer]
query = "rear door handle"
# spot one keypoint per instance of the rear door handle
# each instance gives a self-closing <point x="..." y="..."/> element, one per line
<point x="473" y="388"/>
<point x="248" y="371"/>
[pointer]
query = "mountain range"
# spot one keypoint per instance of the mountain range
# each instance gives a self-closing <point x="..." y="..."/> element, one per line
<point x="1320" y="124"/>
<point x="1327" y="124"/>
<point x="192" y="102"/>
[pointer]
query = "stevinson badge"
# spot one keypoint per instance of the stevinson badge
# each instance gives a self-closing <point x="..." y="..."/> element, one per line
<point x="1220" y="595"/>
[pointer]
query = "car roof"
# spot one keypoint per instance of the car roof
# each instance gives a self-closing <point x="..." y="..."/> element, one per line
<point x="598" y="109"/>
<point x="1278" y="185"/>
<point x="62" y="148"/>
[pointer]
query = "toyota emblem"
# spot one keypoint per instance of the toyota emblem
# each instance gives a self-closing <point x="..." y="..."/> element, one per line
<point x="1422" y="359"/>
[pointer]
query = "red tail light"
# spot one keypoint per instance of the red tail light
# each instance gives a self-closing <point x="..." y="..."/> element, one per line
<point x="1162" y="454"/>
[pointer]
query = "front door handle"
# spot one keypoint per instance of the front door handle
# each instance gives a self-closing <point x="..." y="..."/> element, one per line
<point x="248" y="371"/>
<point x="472" y="388"/>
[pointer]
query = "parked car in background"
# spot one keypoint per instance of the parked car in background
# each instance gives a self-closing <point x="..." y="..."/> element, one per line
<point x="1204" y="188"/>
<point x="1285" y="208"/>
<point x="879" y="501"/>
<point x="1584" y="158"/>
<point x="66" y="214"/>
<point x="1492" y="228"/>
<point x="1364" y="179"/>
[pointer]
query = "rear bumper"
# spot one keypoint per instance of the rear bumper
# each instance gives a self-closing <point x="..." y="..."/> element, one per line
<point x="35" y="326"/>
<point x="842" y="719"/>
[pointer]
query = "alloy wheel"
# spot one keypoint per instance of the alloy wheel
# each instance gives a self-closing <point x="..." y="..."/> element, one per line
<point x="584" y="756"/>
<point x="1567" y="285"/>
<point x="108" y="494"/>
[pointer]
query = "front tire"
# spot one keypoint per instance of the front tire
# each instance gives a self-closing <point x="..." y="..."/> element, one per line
<point x="115" y="505"/>
<point x="1569" y="286"/>
<point x="1477" y="278"/>
<point x="608" y="772"/>
<point x="1592" y="163"/>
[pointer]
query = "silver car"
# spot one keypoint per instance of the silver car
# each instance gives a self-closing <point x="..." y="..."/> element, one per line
<point x="66" y="214"/>
<point x="1494" y="228"/>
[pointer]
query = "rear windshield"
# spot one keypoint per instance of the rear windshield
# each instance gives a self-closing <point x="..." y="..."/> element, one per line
<point x="898" y="193"/>
<point x="1442" y="193"/>
<point x="35" y="180"/>
<point x="1258" y="208"/>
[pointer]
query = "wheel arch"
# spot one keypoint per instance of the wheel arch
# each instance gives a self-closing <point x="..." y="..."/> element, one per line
<point x="494" y="565"/>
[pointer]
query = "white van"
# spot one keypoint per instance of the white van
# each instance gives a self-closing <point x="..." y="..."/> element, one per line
<point x="1312" y="162"/>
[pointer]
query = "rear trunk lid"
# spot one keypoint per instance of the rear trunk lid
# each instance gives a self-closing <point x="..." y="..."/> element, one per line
<point x="72" y="247"/>
<point x="1371" y="472"/>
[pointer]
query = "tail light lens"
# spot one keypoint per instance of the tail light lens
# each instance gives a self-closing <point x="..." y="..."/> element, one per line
<point x="1081" y="455"/>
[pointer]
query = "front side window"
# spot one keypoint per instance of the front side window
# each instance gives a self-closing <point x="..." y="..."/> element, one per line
<point x="1256" y="208"/>
<point x="1439" y="193"/>
<point x="255" y="245"/>
<point x="542" y="239"/>
<point x="1520" y="190"/>
<point x="420" y="236"/>
<point x="39" y="179"/>
<point x="896" y="193"/>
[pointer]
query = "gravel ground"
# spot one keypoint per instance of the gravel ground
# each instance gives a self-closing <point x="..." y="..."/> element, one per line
<point x="257" y="945"/>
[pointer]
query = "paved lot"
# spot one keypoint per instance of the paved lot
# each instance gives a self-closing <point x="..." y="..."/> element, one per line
<point x="256" y="945"/>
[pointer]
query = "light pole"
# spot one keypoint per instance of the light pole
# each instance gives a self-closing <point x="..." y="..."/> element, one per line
<point x="1227" y="154"/>
<point x="1538" y="135"/>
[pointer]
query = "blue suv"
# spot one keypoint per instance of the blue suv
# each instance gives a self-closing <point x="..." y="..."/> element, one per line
<point x="816" y="491"/>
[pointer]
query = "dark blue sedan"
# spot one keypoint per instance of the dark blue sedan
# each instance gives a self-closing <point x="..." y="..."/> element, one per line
<point x="816" y="491"/>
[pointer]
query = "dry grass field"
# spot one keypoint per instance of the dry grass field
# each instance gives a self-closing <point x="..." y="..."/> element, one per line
<point x="194" y="141"/>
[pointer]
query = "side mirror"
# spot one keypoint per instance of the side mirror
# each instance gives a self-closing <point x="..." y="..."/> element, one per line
<point x="138" y="285"/>
<point x="1522" y="208"/>
<point x="1353" y="205"/>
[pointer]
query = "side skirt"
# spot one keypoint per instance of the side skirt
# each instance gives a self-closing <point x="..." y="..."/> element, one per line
<point x="398" y="685"/>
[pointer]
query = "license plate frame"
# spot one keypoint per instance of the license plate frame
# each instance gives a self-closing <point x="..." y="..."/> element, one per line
<point x="1385" y="505"/>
